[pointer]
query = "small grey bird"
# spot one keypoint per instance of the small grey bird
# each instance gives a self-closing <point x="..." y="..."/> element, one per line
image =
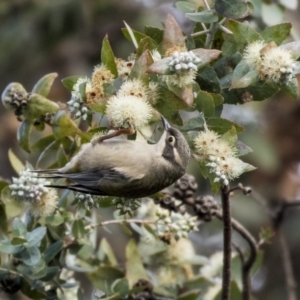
<point x="124" y="168"/>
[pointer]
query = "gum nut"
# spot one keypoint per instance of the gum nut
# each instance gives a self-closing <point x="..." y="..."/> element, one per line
<point x="6" y="95"/>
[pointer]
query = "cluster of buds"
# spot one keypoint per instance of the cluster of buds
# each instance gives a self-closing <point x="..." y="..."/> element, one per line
<point x="146" y="292"/>
<point x="28" y="187"/>
<point x="15" y="97"/>
<point x="185" y="187"/>
<point x="86" y="200"/>
<point x="170" y="203"/>
<point x="206" y="207"/>
<point x="77" y="104"/>
<point x="126" y="206"/>
<point x="33" y="191"/>
<point x="174" y="224"/>
<point x="184" y="61"/>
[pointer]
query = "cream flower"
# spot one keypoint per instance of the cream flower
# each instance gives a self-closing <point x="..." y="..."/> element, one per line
<point x="45" y="206"/>
<point x="101" y="75"/>
<point x="128" y="112"/>
<point x="133" y="87"/>
<point x="252" y="53"/>
<point x="205" y="141"/>
<point x="277" y="65"/>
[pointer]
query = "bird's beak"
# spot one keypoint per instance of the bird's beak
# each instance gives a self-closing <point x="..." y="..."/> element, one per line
<point x="165" y="123"/>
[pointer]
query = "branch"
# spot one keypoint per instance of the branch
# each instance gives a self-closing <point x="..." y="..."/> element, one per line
<point x="246" y="264"/>
<point x="226" y="243"/>
<point x="127" y="221"/>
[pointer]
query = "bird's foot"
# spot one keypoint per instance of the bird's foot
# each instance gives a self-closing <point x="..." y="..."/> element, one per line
<point x="118" y="132"/>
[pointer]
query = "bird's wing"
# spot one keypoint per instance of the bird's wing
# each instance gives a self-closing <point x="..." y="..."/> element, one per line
<point x="93" y="182"/>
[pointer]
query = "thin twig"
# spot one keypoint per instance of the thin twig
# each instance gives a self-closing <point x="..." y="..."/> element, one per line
<point x="291" y="284"/>
<point x="226" y="243"/>
<point x="127" y="221"/>
<point x="206" y="4"/>
<point x="200" y="33"/>
<point x="210" y="36"/>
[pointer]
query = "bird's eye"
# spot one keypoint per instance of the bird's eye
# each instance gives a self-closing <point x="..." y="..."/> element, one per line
<point x="171" y="140"/>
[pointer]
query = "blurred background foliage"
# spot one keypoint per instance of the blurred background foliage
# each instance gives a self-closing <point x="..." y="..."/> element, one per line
<point x="64" y="36"/>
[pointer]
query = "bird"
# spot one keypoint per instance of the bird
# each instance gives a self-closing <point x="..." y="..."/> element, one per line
<point x="126" y="168"/>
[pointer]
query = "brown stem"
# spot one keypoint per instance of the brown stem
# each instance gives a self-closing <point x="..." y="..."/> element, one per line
<point x="248" y="263"/>
<point x="226" y="243"/>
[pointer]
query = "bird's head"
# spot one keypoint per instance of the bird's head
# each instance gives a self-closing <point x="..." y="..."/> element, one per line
<point x="174" y="146"/>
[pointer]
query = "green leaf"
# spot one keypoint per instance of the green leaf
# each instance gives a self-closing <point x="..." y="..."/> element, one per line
<point x="208" y="80"/>
<point x="173" y="36"/>
<point x="160" y="67"/>
<point x="241" y="34"/>
<point x="30" y="255"/>
<point x="63" y="126"/>
<point x="192" y="124"/>
<point x="190" y="295"/>
<point x="19" y="228"/>
<point x="230" y="137"/>
<point x="262" y="90"/>
<point x="243" y="76"/>
<point x="34" y="237"/>
<point x="155" y="33"/>
<point x="141" y="66"/>
<point x="206" y="55"/>
<point x="108" y="58"/>
<point x="69" y="82"/>
<point x="23" y="134"/>
<point x="16" y="164"/>
<point x="218" y="99"/>
<point x="12" y="207"/>
<point x="42" y="143"/>
<point x="204" y="103"/>
<point x="169" y="105"/>
<point x="242" y="148"/>
<point x="277" y="33"/>
<point x="221" y="126"/>
<point x="3" y="219"/>
<point x="34" y="272"/>
<point x="145" y="44"/>
<point x="62" y="158"/>
<point x="105" y="250"/>
<point x="134" y="265"/>
<point x="292" y="88"/>
<point x="43" y="86"/>
<point x="121" y="287"/>
<point x="132" y="35"/>
<point x="104" y="277"/>
<point x="8" y="248"/>
<point x="48" y="151"/>
<point x="206" y="16"/>
<point x="39" y="106"/>
<point x="293" y="47"/>
<point x="235" y="293"/>
<point x="186" y="7"/>
<point x="226" y="64"/>
<point x="233" y="9"/>
<point x="18" y="241"/>
<point x="33" y="294"/>
<point x="78" y="229"/>
<point x="51" y="272"/>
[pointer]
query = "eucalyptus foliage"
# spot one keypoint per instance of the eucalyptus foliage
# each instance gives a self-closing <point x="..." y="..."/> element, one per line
<point x="35" y="250"/>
